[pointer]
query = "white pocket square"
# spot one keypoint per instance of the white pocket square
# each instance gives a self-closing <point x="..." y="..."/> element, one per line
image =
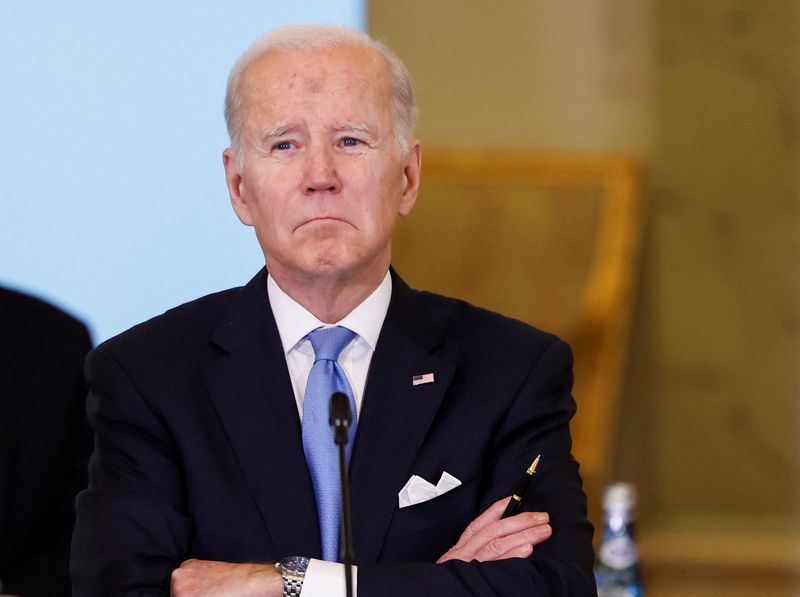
<point x="418" y="490"/>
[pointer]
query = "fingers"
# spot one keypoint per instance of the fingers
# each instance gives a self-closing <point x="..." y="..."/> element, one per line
<point x="523" y="551"/>
<point x="491" y="514"/>
<point x="489" y="538"/>
<point x="506" y="546"/>
<point x="488" y="516"/>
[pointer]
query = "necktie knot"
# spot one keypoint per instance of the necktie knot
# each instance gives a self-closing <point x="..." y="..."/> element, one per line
<point x="329" y="342"/>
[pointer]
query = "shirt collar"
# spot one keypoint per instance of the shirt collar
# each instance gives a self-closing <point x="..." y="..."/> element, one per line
<point x="295" y="322"/>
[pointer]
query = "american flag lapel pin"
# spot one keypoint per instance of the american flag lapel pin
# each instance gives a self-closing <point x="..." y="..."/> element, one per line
<point x="424" y="378"/>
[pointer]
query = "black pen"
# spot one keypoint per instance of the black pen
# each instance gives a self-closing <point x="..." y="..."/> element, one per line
<point x="516" y="499"/>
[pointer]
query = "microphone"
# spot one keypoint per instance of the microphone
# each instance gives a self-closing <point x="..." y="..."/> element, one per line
<point x="340" y="419"/>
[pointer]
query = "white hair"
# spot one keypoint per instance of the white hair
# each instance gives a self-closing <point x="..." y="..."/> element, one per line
<point x="304" y="38"/>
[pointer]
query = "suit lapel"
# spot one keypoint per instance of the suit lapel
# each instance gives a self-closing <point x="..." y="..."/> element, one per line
<point x="395" y="415"/>
<point x="252" y="392"/>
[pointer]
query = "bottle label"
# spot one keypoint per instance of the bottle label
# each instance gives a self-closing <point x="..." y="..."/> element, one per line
<point x="618" y="553"/>
<point x="619" y="592"/>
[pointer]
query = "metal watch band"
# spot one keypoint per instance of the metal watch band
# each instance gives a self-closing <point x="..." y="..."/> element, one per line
<point x="292" y="587"/>
<point x="293" y="571"/>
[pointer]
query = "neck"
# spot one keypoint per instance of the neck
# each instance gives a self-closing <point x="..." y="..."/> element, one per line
<point x="329" y="298"/>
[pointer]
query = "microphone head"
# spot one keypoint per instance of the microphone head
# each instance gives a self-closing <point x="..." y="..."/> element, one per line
<point x="340" y="414"/>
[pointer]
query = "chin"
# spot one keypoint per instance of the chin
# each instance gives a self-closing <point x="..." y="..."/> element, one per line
<point x="325" y="264"/>
<point x="340" y="265"/>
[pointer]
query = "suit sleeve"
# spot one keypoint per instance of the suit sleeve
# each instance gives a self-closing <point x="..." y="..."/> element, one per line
<point x="536" y="422"/>
<point x="135" y="493"/>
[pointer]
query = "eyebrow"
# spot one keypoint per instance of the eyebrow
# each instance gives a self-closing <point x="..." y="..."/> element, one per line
<point x="278" y="131"/>
<point x="283" y="129"/>
<point x="355" y="128"/>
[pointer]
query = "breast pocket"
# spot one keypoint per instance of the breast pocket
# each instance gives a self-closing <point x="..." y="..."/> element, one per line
<point x="423" y="532"/>
<point x="442" y="510"/>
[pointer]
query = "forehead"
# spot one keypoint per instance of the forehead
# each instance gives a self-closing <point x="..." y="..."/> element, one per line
<point x="345" y="73"/>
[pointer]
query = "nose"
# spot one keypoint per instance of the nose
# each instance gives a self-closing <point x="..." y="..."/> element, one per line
<point x="321" y="175"/>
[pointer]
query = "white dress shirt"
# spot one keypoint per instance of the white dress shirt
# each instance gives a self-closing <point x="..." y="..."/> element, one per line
<point x="326" y="579"/>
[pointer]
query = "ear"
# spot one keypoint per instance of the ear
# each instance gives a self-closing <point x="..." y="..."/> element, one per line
<point x="233" y="178"/>
<point x="411" y="173"/>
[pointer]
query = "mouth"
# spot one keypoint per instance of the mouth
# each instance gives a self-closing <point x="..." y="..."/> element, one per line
<point x="321" y="220"/>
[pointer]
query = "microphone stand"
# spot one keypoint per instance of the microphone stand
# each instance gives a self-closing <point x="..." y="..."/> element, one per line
<point x="340" y="419"/>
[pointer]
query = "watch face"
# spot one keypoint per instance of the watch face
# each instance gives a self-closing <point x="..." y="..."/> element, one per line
<point x="295" y="565"/>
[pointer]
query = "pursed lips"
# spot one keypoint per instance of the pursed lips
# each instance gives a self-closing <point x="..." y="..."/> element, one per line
<point x="322" y="219"/>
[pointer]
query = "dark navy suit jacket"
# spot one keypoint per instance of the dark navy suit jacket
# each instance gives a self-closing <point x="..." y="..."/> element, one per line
<point x="199" y="454"/>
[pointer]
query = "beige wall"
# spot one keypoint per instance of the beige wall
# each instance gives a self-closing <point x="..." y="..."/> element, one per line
<point x="707" y="94"/>
<point x="714" y="384"/>
<point x="509" y="73"/>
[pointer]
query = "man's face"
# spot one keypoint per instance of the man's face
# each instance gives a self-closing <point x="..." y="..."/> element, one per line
<point x="321" y="176"/>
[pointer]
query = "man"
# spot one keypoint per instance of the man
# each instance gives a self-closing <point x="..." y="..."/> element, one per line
<point x="45" y="442"/>
<point x="205" y="470"/>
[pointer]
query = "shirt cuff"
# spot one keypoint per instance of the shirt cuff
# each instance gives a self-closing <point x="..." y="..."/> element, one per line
<point x="327" y="579"/>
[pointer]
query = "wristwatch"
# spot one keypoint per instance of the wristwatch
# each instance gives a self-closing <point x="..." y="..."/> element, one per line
<point x="293" y="570"/>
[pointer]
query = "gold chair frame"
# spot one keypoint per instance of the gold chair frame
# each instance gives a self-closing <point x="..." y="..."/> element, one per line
<point x="599" y="328"/>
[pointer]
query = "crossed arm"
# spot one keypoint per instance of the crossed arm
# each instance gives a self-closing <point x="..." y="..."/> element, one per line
<point x="133" y="525"/>
<point x="487" y="538"/>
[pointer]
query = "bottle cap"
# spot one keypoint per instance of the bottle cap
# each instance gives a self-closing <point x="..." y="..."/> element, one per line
<point x="619" y="496"/>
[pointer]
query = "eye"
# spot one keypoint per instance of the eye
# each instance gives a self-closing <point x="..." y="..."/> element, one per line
<point x="282" y="146"/>
<point x="350" y="142"/>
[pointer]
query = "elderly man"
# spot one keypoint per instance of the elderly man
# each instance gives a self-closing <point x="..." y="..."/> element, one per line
<point x="213" y="459"/>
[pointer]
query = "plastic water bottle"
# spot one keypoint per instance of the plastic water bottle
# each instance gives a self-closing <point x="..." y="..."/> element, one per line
<point x="617" y="567"/>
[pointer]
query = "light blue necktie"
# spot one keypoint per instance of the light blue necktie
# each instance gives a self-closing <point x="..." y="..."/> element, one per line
<point x="325" y="378"/>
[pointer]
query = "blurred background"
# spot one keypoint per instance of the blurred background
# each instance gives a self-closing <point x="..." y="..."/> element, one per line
<point x="706" y="96"/>
<point x="113" y="131"/>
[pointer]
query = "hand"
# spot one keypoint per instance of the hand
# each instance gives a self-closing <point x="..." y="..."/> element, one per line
<point x="489" y="538"/>
<point x="205" y="578"/>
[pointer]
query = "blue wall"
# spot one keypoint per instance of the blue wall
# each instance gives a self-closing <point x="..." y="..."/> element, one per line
<point x="113" y="202"/>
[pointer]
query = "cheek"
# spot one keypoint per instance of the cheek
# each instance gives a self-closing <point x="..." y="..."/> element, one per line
<point x="378" y="200"/>
<point x="267" y="196"/>
<point x="391" y="185"/>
